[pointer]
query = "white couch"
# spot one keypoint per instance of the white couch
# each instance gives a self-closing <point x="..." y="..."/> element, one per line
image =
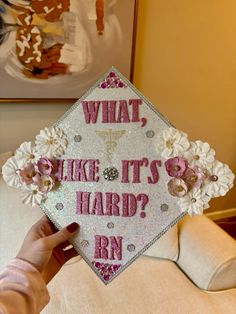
<point x="192" y="269"/>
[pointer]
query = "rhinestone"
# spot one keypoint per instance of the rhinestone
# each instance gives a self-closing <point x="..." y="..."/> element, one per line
<point x="214" y="178"/>
<point x="116" y="267"/>
<point x="77" y="138"/>
<point x="84" y="243"/>
<point x="106" y="277"/>
<point x="164" y="207"/>
<point x="150" y="133"/>
<point x="110" y="225"/>
<point x="193" y="200"/>
<point x="110" y="174"/>
<point x="59" y="206"/>
<point x="131" y="247"/>
<point x="112" y="74"/>
<point x="104" y="85"/>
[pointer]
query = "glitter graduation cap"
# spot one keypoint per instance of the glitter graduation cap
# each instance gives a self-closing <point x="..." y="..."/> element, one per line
<point x="116" y="166"/>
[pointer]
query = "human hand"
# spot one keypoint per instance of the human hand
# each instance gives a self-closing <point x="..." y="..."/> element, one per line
<point x="44" y="247"/>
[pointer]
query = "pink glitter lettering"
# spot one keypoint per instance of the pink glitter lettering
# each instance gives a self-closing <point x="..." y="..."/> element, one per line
<point x="112" y="199"/>
<point x="60" y="165"/>
<point x="97" y="204"/>
<point x="123" y="113"/>
<point x="101" y="243"/>
<point x="135" y="108"/>
<point x="125" y="171"/>
<point x="136" y="168"/>
<point x="144" y="122"/>
<point x="69" y="172"/>
<point x="116" y="248"/>
<point x="82" y="203"/>
<point x="129" y="205"/>
<point x="90" y="109"/>
<point x="80" y="172"/>
<point x="154" y="171"/>
<point x="109" y="111"/>
<point x="93" y="169"/>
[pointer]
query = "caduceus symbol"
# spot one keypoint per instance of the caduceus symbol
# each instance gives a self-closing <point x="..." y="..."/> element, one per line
<point x="110" y="138"/>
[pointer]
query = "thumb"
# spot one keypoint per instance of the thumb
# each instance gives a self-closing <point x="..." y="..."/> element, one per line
<point x="62" y="235"/>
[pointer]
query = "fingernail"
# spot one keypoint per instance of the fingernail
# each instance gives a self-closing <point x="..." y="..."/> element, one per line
<point x="72" y="227"/>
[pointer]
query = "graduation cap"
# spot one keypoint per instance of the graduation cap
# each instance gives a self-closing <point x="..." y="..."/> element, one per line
<point x="121" y="170"/>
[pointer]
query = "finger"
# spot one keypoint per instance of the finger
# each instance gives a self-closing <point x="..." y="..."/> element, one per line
<point x="62" y="236"/>
<point x="68" y="254"/>
<point x="53" y="227"/>
<point x="34" y="231"/>
<point x="40" y="222"/>
<point x="64" y="245"/>
<point x="45" y="227"/>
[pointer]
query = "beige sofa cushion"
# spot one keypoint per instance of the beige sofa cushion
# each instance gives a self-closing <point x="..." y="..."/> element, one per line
<point x="207" y="254"/>
<point x="166" y="247"/>
<point x="149" y="285"/>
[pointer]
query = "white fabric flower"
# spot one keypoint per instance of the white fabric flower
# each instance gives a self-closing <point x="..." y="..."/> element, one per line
<point x="31" y="195"/>
<point x="200" y="154"/>
<point x="10" y="172"/>
<point x="172" y="142"/>
<point x="51" y="142"/>
<point x="219" y="181"/>
<point x="194" y="202"/>
<point x="26" y="153"/>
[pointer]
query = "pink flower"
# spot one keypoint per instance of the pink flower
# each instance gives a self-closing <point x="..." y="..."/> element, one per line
<point x="194" y="177"/>
<point x="176" y="167"/>
<point x="36" y="178"/>
<point x="28" y="173"/>
<point x="46" y="166"/>
<point x="177" y="187"/>
<point x="45" y="183"/>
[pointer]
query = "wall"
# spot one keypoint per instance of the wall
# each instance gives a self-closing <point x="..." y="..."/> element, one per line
<point x="21" y="122"/>
<point x="185" y="64"/>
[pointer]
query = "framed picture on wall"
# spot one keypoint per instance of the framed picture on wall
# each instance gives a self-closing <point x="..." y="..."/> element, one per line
<point x="54" y="50"/>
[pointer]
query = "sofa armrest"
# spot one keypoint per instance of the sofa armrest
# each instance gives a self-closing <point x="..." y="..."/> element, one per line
<point x="207" y="254"/>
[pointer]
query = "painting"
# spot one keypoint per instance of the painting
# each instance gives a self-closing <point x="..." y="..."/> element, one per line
<point x="55" y="49"/>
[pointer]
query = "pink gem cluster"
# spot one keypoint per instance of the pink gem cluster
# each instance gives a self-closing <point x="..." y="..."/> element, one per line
<point x="112" y="81"/>
<point x="184" y="176"/>
<point x="106" y="270"/>
<point x="42" y="174"/>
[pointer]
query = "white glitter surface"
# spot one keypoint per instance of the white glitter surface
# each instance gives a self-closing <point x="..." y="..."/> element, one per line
<point x="133" y="145"/>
